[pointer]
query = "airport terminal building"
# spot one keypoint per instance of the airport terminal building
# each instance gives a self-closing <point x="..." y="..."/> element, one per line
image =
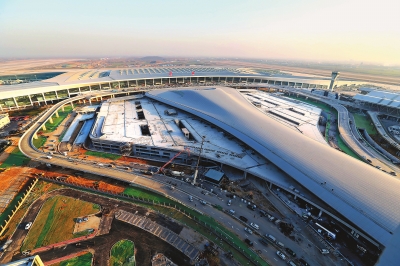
<point x="243" y="129"/>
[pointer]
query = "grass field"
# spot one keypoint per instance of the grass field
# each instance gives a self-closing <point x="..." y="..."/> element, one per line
<point x="103" y="155"/>
<point x="121" y="252"/>
<point x="83" y="260"/>
<point x="57" y="120"/>
<point x="363" y="121"/>
<point x="39" y="141"/>
<point x="40" y="188"/>
<point x="16" y="158"/>
<point x="56" y="220"/>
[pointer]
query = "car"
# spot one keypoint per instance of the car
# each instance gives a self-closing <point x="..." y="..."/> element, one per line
<point x="248" y="242"/>
<point x="303" y="262"/>
<point x="263" y="241"/>
<point x="229" y="202"/>
<point x="324" y="251"/>
<point x="85" y="219"/>
<point x="281" y="255"/>
<point x="291" y="252"/>
<point x="203" y="202"/>
<point x="79" y="220"/>
<point x="244" y="219"/>
<point x="263" y="213"/>
<point x="248" y="230"/>
<point x="255" y="226"/>
<point x="190" y="198"/>
<point x="28" y="225"/>
<point x="251" y="207"/>
<point x="232" y="212"/>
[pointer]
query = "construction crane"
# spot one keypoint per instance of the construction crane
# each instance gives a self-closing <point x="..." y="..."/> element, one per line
<point x="173" y="158"/>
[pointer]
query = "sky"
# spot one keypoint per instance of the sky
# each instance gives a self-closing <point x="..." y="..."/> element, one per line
<point x="366" y="31"/>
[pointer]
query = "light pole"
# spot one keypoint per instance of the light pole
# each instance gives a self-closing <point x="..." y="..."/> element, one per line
<point x="198" y="161"/>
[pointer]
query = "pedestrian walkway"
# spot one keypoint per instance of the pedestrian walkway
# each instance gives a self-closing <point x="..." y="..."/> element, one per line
<point x="64" y="243"/>
<point x="70" y="256"/>
<point x="165" y="234"/>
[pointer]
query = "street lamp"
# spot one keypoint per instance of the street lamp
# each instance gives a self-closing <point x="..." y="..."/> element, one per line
<point x="198" y="161"/>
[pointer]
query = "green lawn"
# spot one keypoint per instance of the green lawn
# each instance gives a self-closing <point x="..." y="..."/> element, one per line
<point x="16" y="158"/>
<point x="363" y="121"/>
<point x="103" y="155"/>
<point x="10" y="207"/>
<point x="121" y="253"/>
<point x="39" y="141"/>
<point x="83" y="260"/>
<point x="50" y="127"/>
<point x="346" y="149"/>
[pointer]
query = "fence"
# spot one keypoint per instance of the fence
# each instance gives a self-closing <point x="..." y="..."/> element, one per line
<point x="19" y="204"/>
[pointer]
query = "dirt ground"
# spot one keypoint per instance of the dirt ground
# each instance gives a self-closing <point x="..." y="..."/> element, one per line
<point x="93" y="222"/>
<point x="11" y="176"/>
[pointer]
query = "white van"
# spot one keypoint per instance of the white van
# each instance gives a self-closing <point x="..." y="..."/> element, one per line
<point x="49" y="157"/>
<point x="271" y="237"/>
<point x="255" y="226"/>
<point x="291" y="263"/>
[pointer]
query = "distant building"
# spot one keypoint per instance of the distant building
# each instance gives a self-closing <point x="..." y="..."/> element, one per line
<point x="4" y="120"/>
<point x="29" y="261"/>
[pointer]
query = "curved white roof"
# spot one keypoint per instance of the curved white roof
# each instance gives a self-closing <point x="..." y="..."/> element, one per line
<point x="364" y="195"/>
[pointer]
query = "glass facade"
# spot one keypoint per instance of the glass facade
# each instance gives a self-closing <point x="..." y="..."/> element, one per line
<point x="7" y="103"/>
<point x="37" y="97"/>
<point x="141" y="83"/>
<point x="208" y="79"/>
<point x="123" y="84"/>
<point x="237" y="80"/>
<point x="157" y="81"/>
<point x="86" y="88"/>
<point x="132" y="83"/>
<point x="222" y="79"/>
<point x="95" y="87"/>
<point x="74" y="90"/>
<point x="229" y="79"/>
<point x="115" y="85"/>
<point x="23" y="100"/>
<point x="62" y="94"/>
<point x="165" y="81"/>
<point x="105" y="86"/>
<point x="51" y="95"/>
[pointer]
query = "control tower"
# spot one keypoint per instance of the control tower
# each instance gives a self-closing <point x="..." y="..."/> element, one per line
<point x="335" y="74"/>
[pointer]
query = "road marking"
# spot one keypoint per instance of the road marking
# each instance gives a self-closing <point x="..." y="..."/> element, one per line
<point x="229" y="223"/>
<point x="237" y="229"/>
<point x="221" y="217"/>
<point x="246" y="235"/>
<point x="275" y="259"/>
<point x="265" y="250"/>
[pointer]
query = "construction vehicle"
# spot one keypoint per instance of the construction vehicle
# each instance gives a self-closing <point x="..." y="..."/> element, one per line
<point x="161" y="170"/>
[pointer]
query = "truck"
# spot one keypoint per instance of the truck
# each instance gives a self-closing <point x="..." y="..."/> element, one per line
<point x="177" y="173"/>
